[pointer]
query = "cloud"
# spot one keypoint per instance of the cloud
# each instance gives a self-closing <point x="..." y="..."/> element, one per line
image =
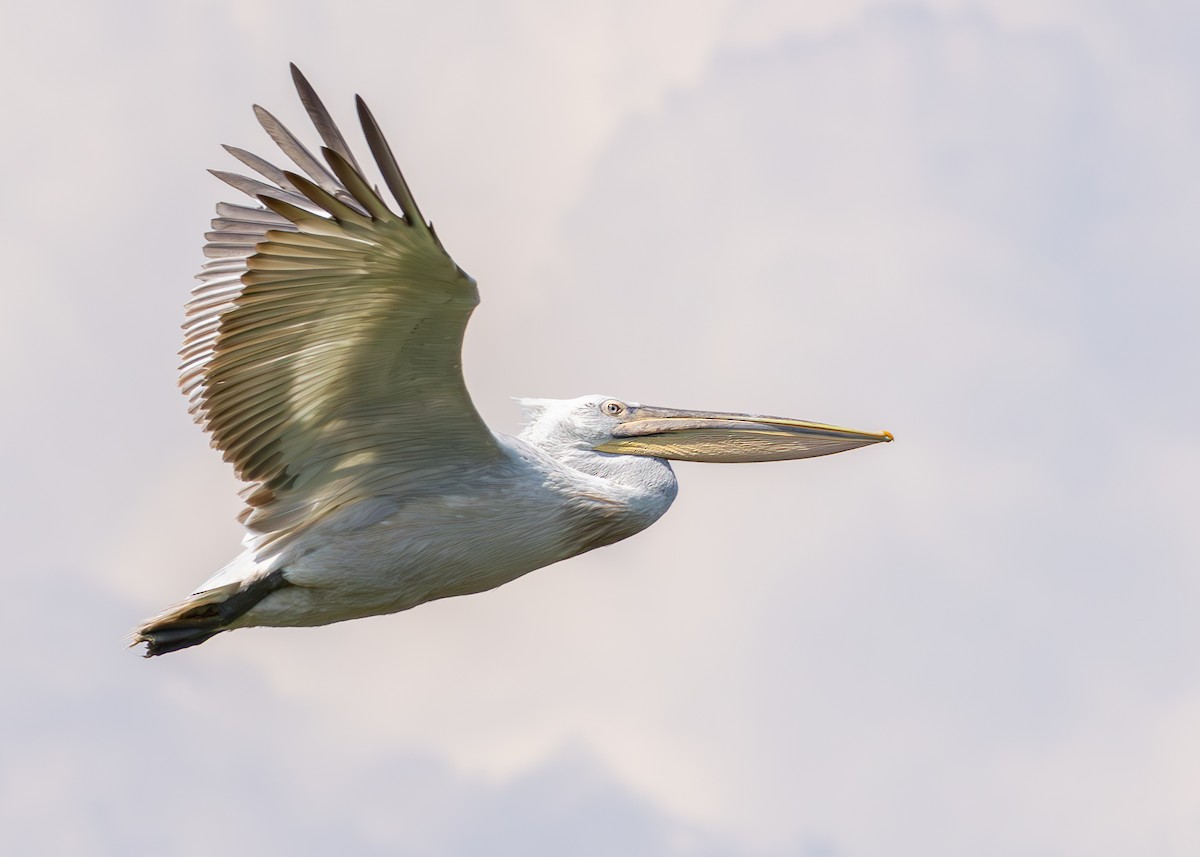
<point x="178" y="758"/>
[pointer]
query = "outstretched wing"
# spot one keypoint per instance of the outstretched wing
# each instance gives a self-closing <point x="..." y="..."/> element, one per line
<point x="323" y="347"/>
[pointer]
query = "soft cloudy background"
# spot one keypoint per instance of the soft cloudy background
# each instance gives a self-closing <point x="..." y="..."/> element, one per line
<point x="971" y="223"/>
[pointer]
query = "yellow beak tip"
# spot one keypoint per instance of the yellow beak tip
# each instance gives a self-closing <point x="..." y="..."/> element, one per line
<point x="889" y="436"/>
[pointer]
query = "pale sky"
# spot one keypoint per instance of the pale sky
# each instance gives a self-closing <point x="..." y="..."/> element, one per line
<point x="968" y="223"/>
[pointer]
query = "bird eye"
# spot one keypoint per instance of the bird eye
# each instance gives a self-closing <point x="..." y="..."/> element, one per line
<point x="613" y="408"/>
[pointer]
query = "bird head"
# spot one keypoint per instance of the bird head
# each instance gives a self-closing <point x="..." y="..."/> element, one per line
<point x="608" y="425"/>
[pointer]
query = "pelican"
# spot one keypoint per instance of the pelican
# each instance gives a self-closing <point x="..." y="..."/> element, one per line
<point x="322" y="354"/>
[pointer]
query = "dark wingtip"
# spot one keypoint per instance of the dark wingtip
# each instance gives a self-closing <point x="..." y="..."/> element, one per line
<point x="386" y="161"/>
<point x="298" y="78"/>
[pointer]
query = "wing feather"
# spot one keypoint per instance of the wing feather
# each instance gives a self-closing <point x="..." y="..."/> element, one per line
<point x="322" y="348"/>
<point x="255" y="188"/>
<point x="261" y="166"/>
<point x="242" y="214"/>
<point x="344" y="214"/>
<point x="350" y="176"/>
<point x="388" y="166"/>
<point x="322" y="121"/>
<point x="296" y="150"/>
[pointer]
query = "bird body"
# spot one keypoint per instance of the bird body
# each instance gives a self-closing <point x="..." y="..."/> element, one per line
<point x="419" y="542"/>
<point x="322" y="354"/>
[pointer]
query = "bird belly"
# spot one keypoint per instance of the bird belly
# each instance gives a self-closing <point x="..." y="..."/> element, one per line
<point x="425" y="550"/>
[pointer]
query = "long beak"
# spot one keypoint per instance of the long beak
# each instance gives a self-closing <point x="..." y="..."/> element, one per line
<point x="718" y="437"/>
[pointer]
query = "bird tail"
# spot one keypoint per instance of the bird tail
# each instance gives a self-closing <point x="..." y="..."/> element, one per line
<point x="203" y="615"/>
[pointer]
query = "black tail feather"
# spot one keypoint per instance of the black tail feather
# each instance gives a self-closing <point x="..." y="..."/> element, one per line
<point x="198" y="619"/>
<point x="160" y="641"/>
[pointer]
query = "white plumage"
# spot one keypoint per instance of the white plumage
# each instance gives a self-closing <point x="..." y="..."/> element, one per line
<point x="322" y="353"/>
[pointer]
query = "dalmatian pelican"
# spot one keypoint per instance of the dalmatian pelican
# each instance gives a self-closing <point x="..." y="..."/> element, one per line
<point x="322" y="354"/>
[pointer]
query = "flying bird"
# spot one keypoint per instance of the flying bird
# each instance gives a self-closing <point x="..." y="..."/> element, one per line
<point x="322" y="354"/>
